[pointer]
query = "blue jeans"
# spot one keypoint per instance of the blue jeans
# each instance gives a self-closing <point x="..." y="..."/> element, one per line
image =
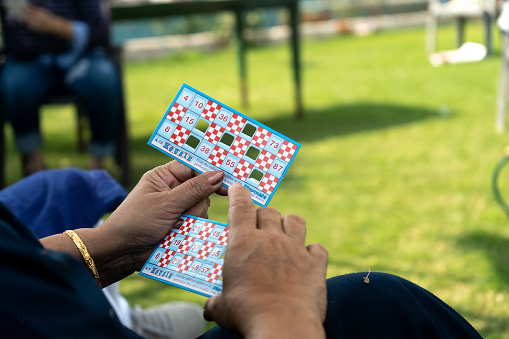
<point x="94" y="79"/>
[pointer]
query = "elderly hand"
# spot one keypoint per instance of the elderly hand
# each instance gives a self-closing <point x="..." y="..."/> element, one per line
<point x="274" y="285"/>
<point x="123" y="243"/>
<point x="155" y="204"/>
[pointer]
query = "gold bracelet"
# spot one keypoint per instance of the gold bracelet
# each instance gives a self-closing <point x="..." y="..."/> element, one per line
<point x="86" y="255"/>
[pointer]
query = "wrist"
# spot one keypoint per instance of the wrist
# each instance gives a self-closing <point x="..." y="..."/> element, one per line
<point x="280" y="320"/>
<point x="62" y="28"/>
<point x="110" y="255"/>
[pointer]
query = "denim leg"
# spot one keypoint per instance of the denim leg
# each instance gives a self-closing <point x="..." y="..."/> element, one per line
<point x="95" y="80"/>
<point x="23" y="87"/>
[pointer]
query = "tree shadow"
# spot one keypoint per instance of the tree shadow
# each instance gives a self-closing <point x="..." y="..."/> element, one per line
<point x="494" y="247"/>
<point x="335" y="121"/>
<point x="317" y="124"/>
<point x="348" y="119"/>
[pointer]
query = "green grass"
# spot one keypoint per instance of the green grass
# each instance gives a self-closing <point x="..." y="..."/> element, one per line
<point x="394" y="170"/>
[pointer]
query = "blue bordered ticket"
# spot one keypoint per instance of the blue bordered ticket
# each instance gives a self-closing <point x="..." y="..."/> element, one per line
<point x="191" y="256"/>
<point x="207" y="135"/>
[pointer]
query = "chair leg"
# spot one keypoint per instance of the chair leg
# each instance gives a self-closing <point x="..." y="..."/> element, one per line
<point x="431" y="34"/>
<point x="488" y="33"/>
<point x="501" y="119"/>
<point x="460" y="31"/>
<point x="81" y="125"/>
<point x="122" y="147"/>
<point x="2" y="152"/>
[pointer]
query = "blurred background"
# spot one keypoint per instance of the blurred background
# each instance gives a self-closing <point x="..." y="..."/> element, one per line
<point x="397" y="159"/>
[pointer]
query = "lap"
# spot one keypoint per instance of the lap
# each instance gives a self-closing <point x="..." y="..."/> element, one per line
<point x="386" y="307"/>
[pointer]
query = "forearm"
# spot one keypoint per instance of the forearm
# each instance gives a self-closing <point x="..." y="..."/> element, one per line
<point x="111" y="257"/>
<point x="289" y="324"/>
<point x="62" y="28"/>
<point x="41" y="20"/>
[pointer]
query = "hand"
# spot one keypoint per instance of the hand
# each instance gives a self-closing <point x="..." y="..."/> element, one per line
<point x="39" y="19"/>
<point x="155" y="204"/>
<point x="274" y="285"/>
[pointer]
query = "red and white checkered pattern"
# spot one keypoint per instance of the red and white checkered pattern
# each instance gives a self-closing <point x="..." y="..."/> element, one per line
<point x="287" y="151"/>
<point x="215" y="273"/>
<point x="264" y="160"/>
<point x="223" y="239"/>
<point x="210" y="111"/>
<point x="239" y="147"/>
<point x="186" y="245"/>
<point x="205" y="231"/>
<point x="165" y="258"/>
<point x="236" y="123"/>
<point x="168" y="239"/>
<point x="205" y="250"/>
<point x="180" y="135"/>
<point x="261" y="137"/>
<point x="176" y="113"/>
<point x="217" y="156"/>
<point x="243" y="169"/>
<point x="186" y="226"/>
<point x="268" y="183"/>
<point x="214" y="133"/>
<point x="184" y="263"/>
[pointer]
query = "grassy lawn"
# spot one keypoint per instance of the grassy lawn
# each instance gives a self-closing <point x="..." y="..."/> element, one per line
<point x="394" y="170"/>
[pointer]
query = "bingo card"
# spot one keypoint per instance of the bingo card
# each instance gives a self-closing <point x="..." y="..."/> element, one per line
<point x="207" y="135"/>
<point x="190" y="257"/>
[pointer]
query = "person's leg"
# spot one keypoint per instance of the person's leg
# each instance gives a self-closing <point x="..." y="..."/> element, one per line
<point x="389" y="307"/>
<point x="95" y="80"/>
<point x="23" y="87"/>
<point x="386" y="307"/>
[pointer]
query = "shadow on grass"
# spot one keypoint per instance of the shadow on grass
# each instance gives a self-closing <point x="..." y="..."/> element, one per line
<point x="494" y="247"/>
<point x="347" y="119"/>
<point x="335" y="121"/>
<point x="316" y="125"/>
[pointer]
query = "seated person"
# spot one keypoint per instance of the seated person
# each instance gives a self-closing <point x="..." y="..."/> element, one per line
<point x="274" y="284"/>
<point x="48" y="202"/>
<point x="51" y="45"/>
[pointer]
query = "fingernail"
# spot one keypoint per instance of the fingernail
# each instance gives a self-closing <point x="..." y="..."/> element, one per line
<point x="215" y="177"/>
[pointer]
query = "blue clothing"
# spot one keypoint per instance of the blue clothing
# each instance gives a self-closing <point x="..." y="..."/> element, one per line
<point x="387" y="307"/>
<point x="94" y="79"/>
<point x="50" y="202"/>
<point x="26" y="44"/>
<point x="39" y="65"/>
<point x="47" y="294"/>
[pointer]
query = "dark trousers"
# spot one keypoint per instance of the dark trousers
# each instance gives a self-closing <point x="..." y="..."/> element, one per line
<point x="25" y="84"/>
<point x="386" y="307"/>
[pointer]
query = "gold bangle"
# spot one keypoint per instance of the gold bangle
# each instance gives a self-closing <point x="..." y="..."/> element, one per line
<point x="86" y="255"/>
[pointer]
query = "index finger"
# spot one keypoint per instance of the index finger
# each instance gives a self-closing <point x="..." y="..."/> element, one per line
<point x="241" y="211"/>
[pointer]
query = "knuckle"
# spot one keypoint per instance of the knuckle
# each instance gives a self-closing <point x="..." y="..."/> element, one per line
<point x="241" y="205"/>
<point x="268" y="211"/>
<point x="295" y="219"/>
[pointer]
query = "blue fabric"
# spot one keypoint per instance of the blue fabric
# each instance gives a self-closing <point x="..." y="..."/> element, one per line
<point x="48" y="294"/>
<point x="386" y="307"/>
<point x="79" y="43"/>
<point x="53" y="201"/>
<point x="94" y="79"/>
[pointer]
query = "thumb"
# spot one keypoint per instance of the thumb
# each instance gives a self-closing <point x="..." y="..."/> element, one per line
<point x="208" y="309"/>
<point x="194" y="190"/>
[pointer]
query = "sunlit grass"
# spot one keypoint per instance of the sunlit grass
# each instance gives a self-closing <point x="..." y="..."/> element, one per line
<point x="394" y="170"/>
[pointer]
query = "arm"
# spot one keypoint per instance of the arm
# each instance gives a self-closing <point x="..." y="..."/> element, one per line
<point x="274" y="285"/>
<point x="41" y="20"/>
<point x="123" y="243"/>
